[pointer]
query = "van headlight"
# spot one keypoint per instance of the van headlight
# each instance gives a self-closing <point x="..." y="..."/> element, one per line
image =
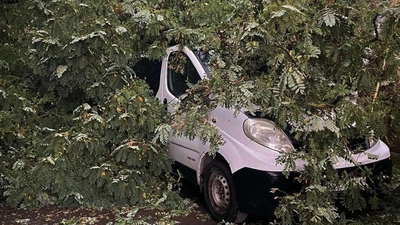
<point x="265" y="133"/>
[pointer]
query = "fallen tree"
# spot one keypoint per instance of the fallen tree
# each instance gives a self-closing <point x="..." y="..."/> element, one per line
<point x="77" y="127"/>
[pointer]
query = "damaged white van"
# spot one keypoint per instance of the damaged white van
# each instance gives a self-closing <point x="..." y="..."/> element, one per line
<point x="239" y="179"/>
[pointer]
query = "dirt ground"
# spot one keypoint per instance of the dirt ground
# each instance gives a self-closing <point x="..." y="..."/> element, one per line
<point x="55" y="215"/>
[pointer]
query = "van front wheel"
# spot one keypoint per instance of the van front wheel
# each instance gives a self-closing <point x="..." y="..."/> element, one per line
<point x="220" y="194"/>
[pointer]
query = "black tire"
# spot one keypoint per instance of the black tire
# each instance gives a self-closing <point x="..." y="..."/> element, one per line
<point x="220" y="193"/>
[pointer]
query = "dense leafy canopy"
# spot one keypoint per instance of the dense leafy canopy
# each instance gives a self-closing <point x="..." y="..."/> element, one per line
<point x="76" y="126"/>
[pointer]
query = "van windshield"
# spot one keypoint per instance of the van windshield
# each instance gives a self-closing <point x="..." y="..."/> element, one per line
<point x="205" y="58"/>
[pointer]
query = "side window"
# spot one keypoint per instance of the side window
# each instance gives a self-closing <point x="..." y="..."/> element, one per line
<point x="150" y="72"/>
<point x="180" y="72"/>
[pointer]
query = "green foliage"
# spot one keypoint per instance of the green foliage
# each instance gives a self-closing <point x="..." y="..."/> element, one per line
<point x="105" y="156"/>
<point x="317" y="66"/>
<point x="77" y="127"/>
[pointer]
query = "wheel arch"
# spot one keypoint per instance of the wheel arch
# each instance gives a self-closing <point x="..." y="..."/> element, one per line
<point x="227" y="153"/>
<point x="205" y="160"/>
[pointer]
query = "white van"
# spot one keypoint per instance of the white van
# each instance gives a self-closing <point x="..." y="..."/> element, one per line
<point x="239" y="179"/>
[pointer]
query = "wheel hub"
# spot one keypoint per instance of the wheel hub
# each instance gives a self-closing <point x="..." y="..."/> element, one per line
<point x="219" y="192"/>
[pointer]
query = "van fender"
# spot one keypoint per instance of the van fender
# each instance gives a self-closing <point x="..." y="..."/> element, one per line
<point x="228" y="153"/>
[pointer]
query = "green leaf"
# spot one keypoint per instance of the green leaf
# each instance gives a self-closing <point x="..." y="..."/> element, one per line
<point x="329" y="17"/>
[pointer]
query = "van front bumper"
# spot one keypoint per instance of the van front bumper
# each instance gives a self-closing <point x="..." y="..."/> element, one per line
<point x="258" y="191"/>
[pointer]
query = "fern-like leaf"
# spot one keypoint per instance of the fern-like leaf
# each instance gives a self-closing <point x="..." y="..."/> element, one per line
<point x="163" y="134"/>
<point x="328" y="17"/>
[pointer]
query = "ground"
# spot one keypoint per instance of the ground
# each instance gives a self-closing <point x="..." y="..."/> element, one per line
<point x="54" y="215"/>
